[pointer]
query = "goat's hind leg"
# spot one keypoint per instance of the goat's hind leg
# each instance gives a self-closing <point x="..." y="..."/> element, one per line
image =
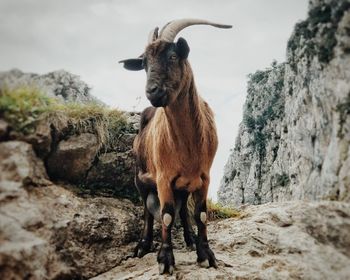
<point x="205" y="256"/>
<point x="145" y="243"/>
<point x="185" y="221"/>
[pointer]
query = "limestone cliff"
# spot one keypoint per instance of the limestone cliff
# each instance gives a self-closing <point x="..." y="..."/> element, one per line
<point x="293" y="142"/>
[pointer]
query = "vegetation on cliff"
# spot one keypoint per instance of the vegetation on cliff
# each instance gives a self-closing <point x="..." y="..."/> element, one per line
<point x="24" y="107"/>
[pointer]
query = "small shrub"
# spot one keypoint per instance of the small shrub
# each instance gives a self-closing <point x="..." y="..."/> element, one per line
<point x="249" y="122"/>
<point x="282" y="180"/>
<point x="258" y="77"/>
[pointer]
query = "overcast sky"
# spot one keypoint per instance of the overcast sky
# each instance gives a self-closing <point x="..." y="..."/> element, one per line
<point x="88" y="37"/>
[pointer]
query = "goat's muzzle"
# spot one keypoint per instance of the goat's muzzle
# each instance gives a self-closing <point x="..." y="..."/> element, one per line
<point x="156" y="95"/>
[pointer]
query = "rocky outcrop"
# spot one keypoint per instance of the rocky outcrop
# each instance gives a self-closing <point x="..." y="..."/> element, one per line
<point x="291" y="240"/>
<point x="60" y="84"/>
<point x="98" y="168"/>
<point x="62" y="184"/>
<point x="93" y="151"/>
<point x="294" y="140"/>
<point x="47" y="232"/>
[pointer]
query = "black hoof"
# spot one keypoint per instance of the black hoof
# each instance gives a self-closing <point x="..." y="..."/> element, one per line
<point x="205" y="256"/>
<point x="191" y="248"/>
<point x="166" y="260"/>
<point x="142" y="248"/>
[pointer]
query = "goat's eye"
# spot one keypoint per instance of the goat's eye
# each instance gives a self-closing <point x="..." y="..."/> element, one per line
<point x="173" y="57"/>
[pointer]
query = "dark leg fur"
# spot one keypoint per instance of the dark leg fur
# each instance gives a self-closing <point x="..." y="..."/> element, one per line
<point x="205" y="256"/>
<point x="165" y="257"/>
<point x="145" y="243"/>
<point x="188" y="231"/>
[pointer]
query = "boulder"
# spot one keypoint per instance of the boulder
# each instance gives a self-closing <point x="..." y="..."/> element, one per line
<point x="73" y="158"/>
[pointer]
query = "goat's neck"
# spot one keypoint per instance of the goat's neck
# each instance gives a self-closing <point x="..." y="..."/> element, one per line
<point x="184" y="117"/>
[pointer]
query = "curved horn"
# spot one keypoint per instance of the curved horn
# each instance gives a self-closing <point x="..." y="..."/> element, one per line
<point x="171" y="29"/>
<point x="153" y="35"/>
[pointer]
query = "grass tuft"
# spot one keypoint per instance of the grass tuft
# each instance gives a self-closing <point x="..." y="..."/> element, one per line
<point x="216" y="211"/>
<point x="22" y="106"/>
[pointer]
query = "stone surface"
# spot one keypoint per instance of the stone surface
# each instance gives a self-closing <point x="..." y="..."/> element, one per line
<point x="19" y="167"/>
<point x="290" y="240"/>
<point x="294" y="140"/>
<point x="47" y="232"/>
<point x="73" y="158"/>
<point x="65" y="86"/>
<point x="114" y="174"/>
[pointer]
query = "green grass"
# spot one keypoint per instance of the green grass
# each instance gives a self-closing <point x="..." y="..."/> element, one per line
<point x="24" y="107"/>
<point x="216" y="211"/>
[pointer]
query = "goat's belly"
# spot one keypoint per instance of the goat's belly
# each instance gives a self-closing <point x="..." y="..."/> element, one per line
<point x="183" y="182"/>
<point x="189" y="183"/>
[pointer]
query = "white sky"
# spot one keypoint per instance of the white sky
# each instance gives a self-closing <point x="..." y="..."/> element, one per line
<point x="88" y="37"/>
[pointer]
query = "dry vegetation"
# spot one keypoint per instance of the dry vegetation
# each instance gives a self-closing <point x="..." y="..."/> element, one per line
<point x="217" y="212"/>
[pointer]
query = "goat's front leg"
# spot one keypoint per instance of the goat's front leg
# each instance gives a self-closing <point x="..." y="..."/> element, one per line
<point x="205" y="256"/>
<point x="165" y="258"/>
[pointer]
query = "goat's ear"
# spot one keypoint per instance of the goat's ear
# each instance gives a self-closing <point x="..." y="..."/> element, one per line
<point x="133" y="64"/>
<point x="182" y="48"/>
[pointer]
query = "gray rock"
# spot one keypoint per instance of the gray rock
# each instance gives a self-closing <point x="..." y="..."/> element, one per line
<point x="134" y="119"/>
<point x="290" y="240"/>
<point x="294" y="140"/>
<point x="61" y="84"/>
<point x="73" y="158"/>
<point x="20" y="168"/>
<point x="113" y="174"/>
<point x="47" y="232"/>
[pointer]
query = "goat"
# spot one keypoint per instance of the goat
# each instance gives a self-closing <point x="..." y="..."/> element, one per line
<point x="175" y="146"/>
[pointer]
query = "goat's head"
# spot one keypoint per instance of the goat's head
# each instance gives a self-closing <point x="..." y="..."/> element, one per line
<point x="165" y="61"/>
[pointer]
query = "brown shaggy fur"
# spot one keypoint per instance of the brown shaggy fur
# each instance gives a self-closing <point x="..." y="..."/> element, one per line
<point x="177" y="143"/>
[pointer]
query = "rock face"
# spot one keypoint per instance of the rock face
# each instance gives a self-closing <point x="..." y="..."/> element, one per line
<point x="294" y="140"/>
<point x="73" y="157"/>
<point x="291" y="240"/>
<point x="47" y="232"/>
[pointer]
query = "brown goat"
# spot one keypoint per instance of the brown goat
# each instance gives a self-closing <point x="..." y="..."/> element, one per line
<point x="175" y="146"/>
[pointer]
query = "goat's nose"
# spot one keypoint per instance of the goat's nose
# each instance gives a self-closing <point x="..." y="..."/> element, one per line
<point x="152" y="89"/>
